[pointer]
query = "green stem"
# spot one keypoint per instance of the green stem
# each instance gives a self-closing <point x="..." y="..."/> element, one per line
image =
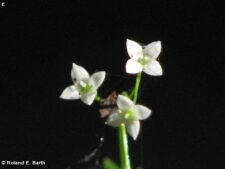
<point x="123" y="143"/>
<point x="136" y="87"/>
<point x="131" y="94"/>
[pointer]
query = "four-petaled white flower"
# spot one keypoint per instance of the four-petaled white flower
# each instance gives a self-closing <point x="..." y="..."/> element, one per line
<point x="84" y="87"/>
<point x="143" y="58"/>
<point x="128" y="114"/>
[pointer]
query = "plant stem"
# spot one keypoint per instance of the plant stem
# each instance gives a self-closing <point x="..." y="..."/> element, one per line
<point x="131" y="94"/>
<point x="123" y="143"/>
<point x="136" y="87"/>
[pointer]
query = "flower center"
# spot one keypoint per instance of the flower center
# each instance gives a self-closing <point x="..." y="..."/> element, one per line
<point x="143" y="60"/>
<point x="129" y="114"/>
<point x="84" y="87"/>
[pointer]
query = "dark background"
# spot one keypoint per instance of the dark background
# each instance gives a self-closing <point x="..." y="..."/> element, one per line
<point x="41" y="39"/>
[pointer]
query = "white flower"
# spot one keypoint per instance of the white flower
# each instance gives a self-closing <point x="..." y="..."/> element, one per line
<point x="84" y="87"/>
<point x="128" y="114"/>
<point x="143" y="58"/>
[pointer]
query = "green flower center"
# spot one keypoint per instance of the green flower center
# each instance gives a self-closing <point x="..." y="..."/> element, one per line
<point x="84" y="87"/>
<point x="129" y="114"/>
<point x="143" y="60"/>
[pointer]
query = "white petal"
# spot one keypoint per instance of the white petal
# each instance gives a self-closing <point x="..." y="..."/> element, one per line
<point x="70" y="93"/>
<point x="153" y="49"/>
<point x="79" y="73"/>
<point x="124" y="102"/>
<point x="97" y="79"/>
<point x="89" y="98"/>
<point x="141" y="112"/>
<point x="133" y="128"/>
<point x="133" y="48"/>
<point x="153" y="68"/>
<point x="115" y="119"/>
<point x="133" y="67"/>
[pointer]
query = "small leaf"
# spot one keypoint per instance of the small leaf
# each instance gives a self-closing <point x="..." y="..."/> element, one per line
<point x="109" y="164"/>
<point x="125" y="94"/>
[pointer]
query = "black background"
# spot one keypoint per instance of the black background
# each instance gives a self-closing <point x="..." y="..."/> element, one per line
<point x="40" y="40"/>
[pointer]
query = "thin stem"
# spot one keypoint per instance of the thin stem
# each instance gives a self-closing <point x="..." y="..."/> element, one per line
<point x="131" y="94"/>
<point x="123" y="143"/>
<point x="136" y="87"/>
